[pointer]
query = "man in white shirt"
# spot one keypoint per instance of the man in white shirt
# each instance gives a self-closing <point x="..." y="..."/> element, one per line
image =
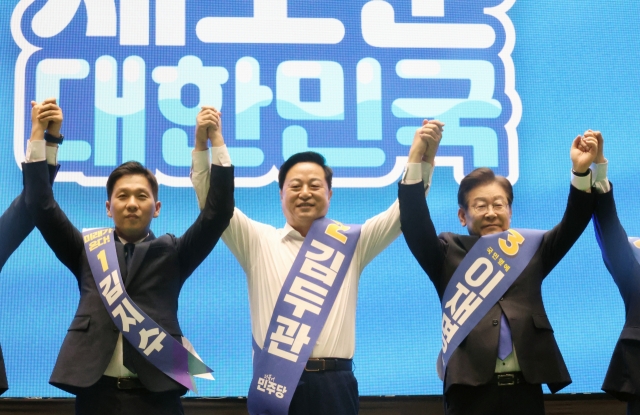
<point x="266" y="253"/>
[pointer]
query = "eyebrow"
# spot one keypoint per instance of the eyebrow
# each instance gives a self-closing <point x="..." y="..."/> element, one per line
<point x="132" y="190"/>
<point x="485" y="200"/>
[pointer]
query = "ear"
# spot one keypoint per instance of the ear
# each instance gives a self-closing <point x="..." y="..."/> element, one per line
<point x="281" y="194"/>
<point x="330" y="193"/>
<point x="108" y="205"/>
<point x="157" y="211"/>
<point x="462" y="216"/>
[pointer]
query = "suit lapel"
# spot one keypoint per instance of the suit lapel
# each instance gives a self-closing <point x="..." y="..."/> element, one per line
<point x="468" y="241"/>
<point x="139" y="254"/>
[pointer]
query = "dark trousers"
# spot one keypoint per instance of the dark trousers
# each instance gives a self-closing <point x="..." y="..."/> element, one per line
<point x="491" y="399"/>
<point x="104" y="398"/>
<point x="326" y="393"/>
<point x="633" y="407"/>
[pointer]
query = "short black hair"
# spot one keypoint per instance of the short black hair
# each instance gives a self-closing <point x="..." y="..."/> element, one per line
<point x="128" y="169"/>
<point x="305" y="157"/>
<point x="480" y="177"/>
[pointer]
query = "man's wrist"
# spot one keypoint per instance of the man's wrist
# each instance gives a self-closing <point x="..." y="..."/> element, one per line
<point x="200" y="146"/>
<point x="37" y="133"/>
<point x="54" y="131"/>
<point x="415" y="155"/>
<point x="429" y="159"/>
<point x="52" y="138"/>
<point x="217" y="141"/>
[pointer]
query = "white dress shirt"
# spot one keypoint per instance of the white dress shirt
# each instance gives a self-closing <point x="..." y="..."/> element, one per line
<point x="267" y="253"/>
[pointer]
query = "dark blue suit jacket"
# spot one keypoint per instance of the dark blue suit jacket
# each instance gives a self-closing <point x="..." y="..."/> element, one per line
<point x="15" y="226"/>
<point x="473" y="362"/>
<point x="623" y="376"/>
<point x="159" y="269"/>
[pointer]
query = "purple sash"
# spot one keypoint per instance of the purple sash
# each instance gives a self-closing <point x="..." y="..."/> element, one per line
<point x="144" y="334"/>
<point x="481" y="279"/>
<point x="301" y="311"/>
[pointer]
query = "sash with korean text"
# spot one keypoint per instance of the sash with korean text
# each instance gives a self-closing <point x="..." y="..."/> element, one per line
<point x="481" y="279"/>
<point x="304" y="303"/>
<point x="144" y="334"/>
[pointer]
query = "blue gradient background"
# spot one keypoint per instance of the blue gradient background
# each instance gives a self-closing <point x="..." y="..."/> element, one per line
<point x="576" y="68"/>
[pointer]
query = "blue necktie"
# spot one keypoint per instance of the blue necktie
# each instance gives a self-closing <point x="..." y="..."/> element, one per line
<point x="505" y="346"/>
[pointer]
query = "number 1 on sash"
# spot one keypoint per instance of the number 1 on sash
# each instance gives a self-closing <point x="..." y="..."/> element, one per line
<point x="102" y="256"/>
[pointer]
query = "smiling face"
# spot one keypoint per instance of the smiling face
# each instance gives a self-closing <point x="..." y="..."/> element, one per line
<point x="484" y="214"/>
<point x="132" y="206"/>
<point x="305" y="195"/>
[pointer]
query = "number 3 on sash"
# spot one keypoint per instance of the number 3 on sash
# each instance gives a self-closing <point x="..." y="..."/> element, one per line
<point x="514" y="241"/>
<point x="102" y="256"/>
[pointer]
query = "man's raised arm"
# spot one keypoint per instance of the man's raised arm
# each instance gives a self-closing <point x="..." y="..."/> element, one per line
<point x="15" y="223"/>
<point x="617" y="252"/>
<point x="415" y="219"/>
<point x="218" y="203"/>
<point x="379" y="231"/>
<point x="580" y="203"/>
<point x="55" y="227"/>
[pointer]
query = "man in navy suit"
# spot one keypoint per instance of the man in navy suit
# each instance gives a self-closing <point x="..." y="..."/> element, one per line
<point x="621" y="258"/>
<point x="15" y="222"/>
<point x="479" y="378"/>
<point x="108" y="374"/>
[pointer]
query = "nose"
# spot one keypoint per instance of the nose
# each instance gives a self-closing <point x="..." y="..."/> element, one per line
<point x="305" y="193"/>
<point x="490" y="211"/>
<point x="132" y="204"/>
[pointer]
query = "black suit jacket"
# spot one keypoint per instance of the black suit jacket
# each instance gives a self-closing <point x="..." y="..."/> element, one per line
<point x="15" y="225"/>
<point x="159" y="269"/>
<point x="473" y="362"/>
<point x="623" y="376"/>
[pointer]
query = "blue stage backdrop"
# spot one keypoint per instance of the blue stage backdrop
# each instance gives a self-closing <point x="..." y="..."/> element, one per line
<point x="514" y="81"/>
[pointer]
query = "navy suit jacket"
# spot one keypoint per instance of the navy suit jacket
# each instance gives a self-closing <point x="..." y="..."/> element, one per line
<point x="623" y="376"/>
<point x="473" y="362"/>
<point x="158" y="270"/>
<point x="15" y="226"/>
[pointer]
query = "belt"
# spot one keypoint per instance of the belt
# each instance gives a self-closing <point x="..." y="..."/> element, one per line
<point x="508" y="379"/>
<point x="122" y="383"/>
<point x="322" y="365"/>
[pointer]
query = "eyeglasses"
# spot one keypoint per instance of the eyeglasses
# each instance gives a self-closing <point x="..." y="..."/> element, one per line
<point x="482" y="208"/>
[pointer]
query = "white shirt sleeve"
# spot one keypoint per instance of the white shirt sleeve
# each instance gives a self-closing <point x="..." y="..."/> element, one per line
<point x="36" y="151"/>
<point x="582" y="182"/>
<point x="200" y="173"/>
<point x="52" y="155"/>
<point x="382" y="229"/>
<point x="242" y="237"/>
<point x="415" y="172"/>
<point x="220" y="156"/>
<point x="600" y="180"/>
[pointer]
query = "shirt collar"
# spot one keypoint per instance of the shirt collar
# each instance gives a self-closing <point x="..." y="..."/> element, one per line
<point x="289" y="231"/>
<point x="124" y="241"/>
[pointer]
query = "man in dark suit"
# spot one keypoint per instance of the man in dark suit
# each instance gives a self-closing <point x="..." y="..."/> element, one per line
<point x="623" y="376"/>
<point x="15" y="222"/>
<point x="476" y="381"/>
<point x="96" y="363"/>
